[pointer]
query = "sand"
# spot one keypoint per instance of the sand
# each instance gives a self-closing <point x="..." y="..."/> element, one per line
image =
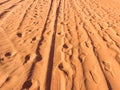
<point x="59" y="44"/>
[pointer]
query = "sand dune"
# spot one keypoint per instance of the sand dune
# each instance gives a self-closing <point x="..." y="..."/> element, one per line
<point x="59" y="45"/>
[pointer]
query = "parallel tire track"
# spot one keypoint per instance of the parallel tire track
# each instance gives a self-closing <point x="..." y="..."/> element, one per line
<point x="59" y="45"/>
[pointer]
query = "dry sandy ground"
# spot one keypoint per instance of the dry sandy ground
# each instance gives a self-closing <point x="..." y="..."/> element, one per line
<point x="59" y="44"/>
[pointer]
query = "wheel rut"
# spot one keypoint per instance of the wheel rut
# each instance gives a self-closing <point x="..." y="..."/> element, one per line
<point x="59" y="45"/>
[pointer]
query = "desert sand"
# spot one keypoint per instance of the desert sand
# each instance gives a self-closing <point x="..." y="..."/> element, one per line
<point x="59" y="44"/>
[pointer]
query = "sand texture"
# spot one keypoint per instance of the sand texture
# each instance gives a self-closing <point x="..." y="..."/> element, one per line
<point x="59" y="44"/>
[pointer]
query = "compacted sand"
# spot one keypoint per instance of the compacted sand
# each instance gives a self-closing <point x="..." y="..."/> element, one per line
<point x="59" y="44"/>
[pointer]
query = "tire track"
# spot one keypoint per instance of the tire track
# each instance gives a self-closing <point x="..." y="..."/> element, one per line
<point x="45" y="40"/>
<point x="6" y="87"/>
<point x="90" y="69"/>
<point x="15" y="49"/>
<point x="57" y="75"/>
<point x="51" y="55"/>
<point x="8" y="6"/>
<point x="91" y="32"/>
<point x="4" y="1"/>
<point x="105" y="59"/>
<point x="9" y="24"/>
<point x="100" y="28"/>
<point x="59" y="45"/>
<point x="105" y="26"/>
<point x="70" y="64"/>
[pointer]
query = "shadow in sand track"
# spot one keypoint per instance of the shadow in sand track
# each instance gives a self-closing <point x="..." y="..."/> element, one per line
<point x="51" y="55"/>
<point x="4" y="2"/>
